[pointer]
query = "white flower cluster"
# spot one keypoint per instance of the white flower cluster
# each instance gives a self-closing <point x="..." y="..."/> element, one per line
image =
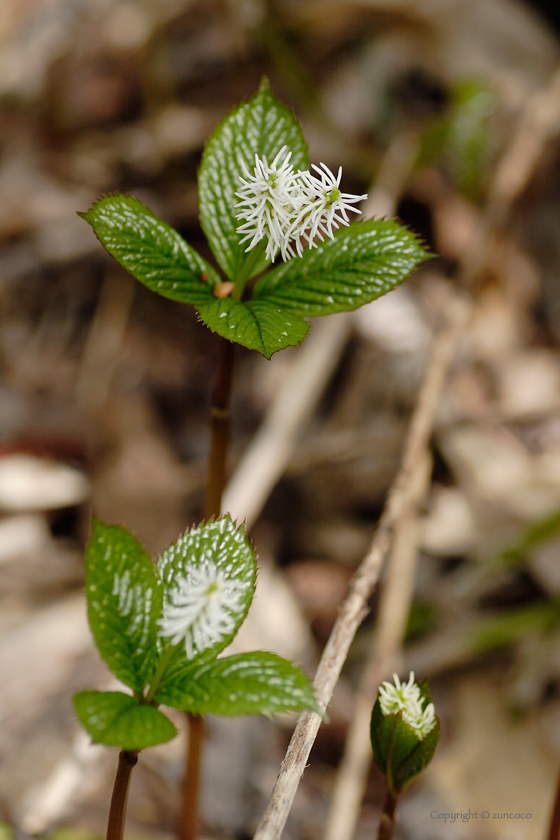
<point x="406" y="698"/>
<point x="289" y="207"/>
<point x="199" y="608"/>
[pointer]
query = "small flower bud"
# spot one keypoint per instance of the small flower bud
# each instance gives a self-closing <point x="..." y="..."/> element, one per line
<point x="404" y="731"/>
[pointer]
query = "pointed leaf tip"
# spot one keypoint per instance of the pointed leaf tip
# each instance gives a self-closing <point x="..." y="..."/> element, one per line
<point x="260" y="126"/>
<point x="151" y="250"/>
<point x="242" y="684"/>
<point x="363" y="262"/>
<point x="258" y="325"/>
<point x="124" y="598"/>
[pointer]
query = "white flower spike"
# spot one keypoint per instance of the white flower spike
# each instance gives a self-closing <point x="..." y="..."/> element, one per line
<point x="199" y="609"/>
<point x="325" y="207"/>
<point x="268" y="201"/>
<point x="288" y="207"/>
<point x="406" y="698"/>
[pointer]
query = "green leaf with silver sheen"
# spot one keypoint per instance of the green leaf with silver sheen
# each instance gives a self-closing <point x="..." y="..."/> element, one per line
<point x="124" y="599"/>
<point x="259" y="325"/>
<point x="215" y="564"/>
<point x="151" y="250"/>
<point x="243" y="684"/>
<point x="362" y="263"/>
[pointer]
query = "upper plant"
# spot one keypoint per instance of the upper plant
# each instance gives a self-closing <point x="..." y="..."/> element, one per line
<point x="250" y="211"/>
<point x="160" y="630"/>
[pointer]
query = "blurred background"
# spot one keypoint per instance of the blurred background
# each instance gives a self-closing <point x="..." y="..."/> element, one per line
<point x="447" y="112"/>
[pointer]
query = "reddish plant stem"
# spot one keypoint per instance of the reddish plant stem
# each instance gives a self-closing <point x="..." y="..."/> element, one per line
<point x="387" y="821"/>
<point x="554" y="830"/>
<point x="188" y="828"/>
<point x="117" y="811"/>
<point x="219" y="431"/>
<point x="217" y="469"/>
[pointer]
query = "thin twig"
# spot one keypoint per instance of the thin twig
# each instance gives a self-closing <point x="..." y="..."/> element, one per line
<point x="104" y="341"/>
<point x="538" y="123"/>
<point x="394" y="607"/>
<point x="353" y="608"/>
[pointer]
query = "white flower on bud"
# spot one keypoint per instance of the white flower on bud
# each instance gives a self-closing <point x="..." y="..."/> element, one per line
<point x="199" y="608"/>
<point x="268" y="198"/>
<point x="287" y="207"/>
<point x="325" y="207"/>
<point x="406" y="698"/>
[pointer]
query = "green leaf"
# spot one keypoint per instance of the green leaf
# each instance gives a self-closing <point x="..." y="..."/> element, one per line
<point x="260" y="126"/>
<point x="124" y="598"/>
<point x="362" y="262"/>
<point x="463" y="138"/>
<point x="258" y="325"/>
<point x="243" y="684"/>
<point x="493" y="632"/>
<point x="535" y="534"/>
<point x="407" y="765"/>
<point x="151" y="250"/>
<point x="216" y="563"/>
<point x="381" y="734"/>
<point x="119" y="720"/>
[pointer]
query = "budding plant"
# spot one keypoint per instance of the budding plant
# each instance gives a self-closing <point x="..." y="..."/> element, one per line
<point x="161" y="628"/>
<point x="404" y="734"/>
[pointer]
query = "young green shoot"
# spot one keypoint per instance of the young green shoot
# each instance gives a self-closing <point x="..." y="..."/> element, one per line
<point x="404" y="733"/>
<point x="160" y="629"/>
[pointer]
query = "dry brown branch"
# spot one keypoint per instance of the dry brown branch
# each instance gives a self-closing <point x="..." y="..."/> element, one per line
<point x="104" y="341"/>
<point x="354" y="607"/>
<point x="384" y="659"/>
<point x="54" y="798"/>
<point x="538" y="123"/>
